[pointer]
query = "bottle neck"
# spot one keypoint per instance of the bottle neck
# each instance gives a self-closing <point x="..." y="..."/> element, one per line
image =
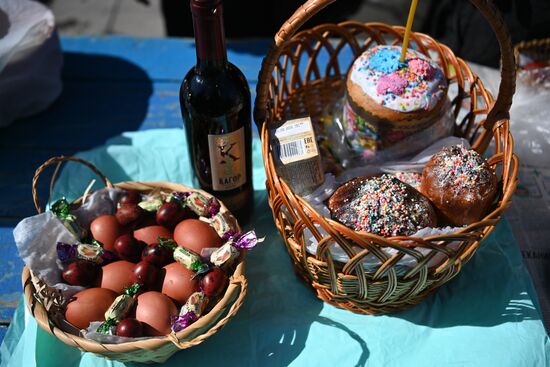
<point x="209" y="33"/>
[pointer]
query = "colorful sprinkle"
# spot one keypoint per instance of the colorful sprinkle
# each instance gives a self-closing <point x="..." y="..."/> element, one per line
<point x="391" y="83"/>
<point x="459" y="167"/>
<point x="386" y="206"/>
<point x="385" y="60"/>
<point x="422" y="68"/>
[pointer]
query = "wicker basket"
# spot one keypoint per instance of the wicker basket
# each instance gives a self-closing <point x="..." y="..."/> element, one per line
<point x="294" y="82"/>
<point x="537" y="49"/>
<point x="43" y="302"/>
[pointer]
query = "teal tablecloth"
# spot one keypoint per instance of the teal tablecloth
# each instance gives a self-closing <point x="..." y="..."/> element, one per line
<point x="486" y="316"/>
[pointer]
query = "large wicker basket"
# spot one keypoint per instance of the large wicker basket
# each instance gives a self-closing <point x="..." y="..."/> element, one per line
<point x="43" y="302"/>
<point x="303" y="73"/>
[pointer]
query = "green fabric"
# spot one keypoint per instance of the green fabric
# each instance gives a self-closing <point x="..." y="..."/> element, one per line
<point x="486" y="316"/>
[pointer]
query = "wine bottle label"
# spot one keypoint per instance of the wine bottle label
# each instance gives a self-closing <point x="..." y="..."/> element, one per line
<point x="227" y="160"/>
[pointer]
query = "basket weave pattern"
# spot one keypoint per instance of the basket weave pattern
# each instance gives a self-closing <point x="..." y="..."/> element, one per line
<point x="538" y="49"/>
<point x="45" y="303"/>
<point x="304" y="73"/>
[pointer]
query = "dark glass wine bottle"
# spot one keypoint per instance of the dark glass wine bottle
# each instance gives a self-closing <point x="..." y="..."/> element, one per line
<point x="215" y="105"/>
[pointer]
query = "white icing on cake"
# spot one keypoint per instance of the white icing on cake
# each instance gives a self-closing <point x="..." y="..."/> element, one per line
<point x="407" y="87"/>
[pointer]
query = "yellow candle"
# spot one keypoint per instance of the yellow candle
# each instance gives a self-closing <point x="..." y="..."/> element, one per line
<point x="408" y="30"/>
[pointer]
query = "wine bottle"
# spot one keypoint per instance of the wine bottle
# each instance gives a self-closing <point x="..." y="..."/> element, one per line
<point x="215" y="105"/>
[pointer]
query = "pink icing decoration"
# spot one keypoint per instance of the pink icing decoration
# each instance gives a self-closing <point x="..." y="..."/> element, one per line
<point x="422" y="68"/>
<point x="392" y="83"/>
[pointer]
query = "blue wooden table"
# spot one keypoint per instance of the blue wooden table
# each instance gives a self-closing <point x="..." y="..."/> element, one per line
<point x="110" y="86"/>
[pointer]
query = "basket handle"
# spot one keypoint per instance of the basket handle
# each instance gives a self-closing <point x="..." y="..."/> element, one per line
<point x="507" y="87"/>
<point x="58" y="160"/>
<point x="242" y="283"/>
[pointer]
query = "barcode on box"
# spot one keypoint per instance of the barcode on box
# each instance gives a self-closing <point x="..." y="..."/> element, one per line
<point x="294" y="141"/>
<point x="292" y="149"/>
<point x="296" y="155"/>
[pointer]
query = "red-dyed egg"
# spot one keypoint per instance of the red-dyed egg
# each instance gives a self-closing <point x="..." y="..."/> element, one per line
<point x="89" y="305"/>
<point x="194" y="235"/>
<point x="106" y="230"/>
<point x="150" y="234"/>
<point x="177" y="283"/>
<point x="154" y="310"/>
<point x="117" y="275"/>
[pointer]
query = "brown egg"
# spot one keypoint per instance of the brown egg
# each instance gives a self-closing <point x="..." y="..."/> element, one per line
<point x="117" y="276"/>
<point x="194" y="235"/>
<point x="154" y="310"/>
<point x="106" y="229"/>
<point x="89" y="305"/>
<point x="177" y="283"/>
<point x="150" y="234"/>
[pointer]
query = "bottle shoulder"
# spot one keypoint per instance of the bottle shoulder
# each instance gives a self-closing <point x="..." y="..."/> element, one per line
<point x="206" y="79"/>
<point x="215" y="90"/>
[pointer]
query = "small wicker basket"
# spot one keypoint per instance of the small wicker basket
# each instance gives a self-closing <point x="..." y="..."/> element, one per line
<point x="302" y="74"/>
<point x="45" y="306"/>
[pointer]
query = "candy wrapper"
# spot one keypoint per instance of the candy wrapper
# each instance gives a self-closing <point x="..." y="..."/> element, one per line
<point x="183" y="321"/>
<point x="61" y="209"/>
<point x="151" y="205"/>
<point x="225" y="255"/>
<point x="93" y="252"/>
<point x="203" y="206"/>
<point x="189" y="312"/>
<point x="190" y="260"/>
<point x="119" y="309"/>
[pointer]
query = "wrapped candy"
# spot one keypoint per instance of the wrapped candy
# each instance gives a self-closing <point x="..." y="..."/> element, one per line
<point x="196" y="303"/>
<point x="119" y="309"/>
<point x="197" y="203"/>
<point x="180" y="196"/>
<point x="222" y="222"/>
<point x="234" y="241"/>
<point x="190" y="311"/>
<point x="151" y="205"/>
<point x="243" y="241"/>
<point x="93" y="252"/>
<point x="213" y="207"/>
<point x="183" y="321"/>
<point x="225" y="254"/>
<point x="190" y="260"/>
<point x="203" y="206"/>
<point x="219" y="224"/>
<point x="61" y="209"/>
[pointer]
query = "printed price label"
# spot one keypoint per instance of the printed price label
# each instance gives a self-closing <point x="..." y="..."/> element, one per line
<point x="294" y="141"/>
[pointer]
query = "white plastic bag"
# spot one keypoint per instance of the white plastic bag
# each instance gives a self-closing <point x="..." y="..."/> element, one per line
<point x="30" y="59"/>
<point x="529" y="122"/>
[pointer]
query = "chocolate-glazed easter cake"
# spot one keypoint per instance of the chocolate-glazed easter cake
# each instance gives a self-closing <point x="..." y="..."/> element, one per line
<point x="460" y="184"/>
<point x="382" y="205"/>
